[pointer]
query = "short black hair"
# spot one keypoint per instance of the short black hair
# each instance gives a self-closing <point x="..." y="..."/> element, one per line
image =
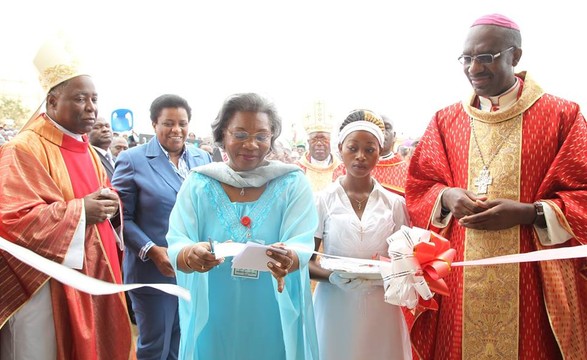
<point x="511" y="37"/>
<point x="168" y="101"/>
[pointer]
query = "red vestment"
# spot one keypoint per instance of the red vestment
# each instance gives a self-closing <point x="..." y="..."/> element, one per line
<point x="549" y="165"/>
<point x="392" y="174"/>
<point x="45" y="175"/>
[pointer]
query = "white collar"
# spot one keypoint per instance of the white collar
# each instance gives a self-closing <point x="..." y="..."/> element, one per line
<point x="323" y="163"/>
<point x="503" y="101"/>
<point x="388" y="156"/>
<point x="78" y="137"/>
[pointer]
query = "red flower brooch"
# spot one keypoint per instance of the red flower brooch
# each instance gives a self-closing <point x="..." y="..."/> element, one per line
<point x="246" y="221"/>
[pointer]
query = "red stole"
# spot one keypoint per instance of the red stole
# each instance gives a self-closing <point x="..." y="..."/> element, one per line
<point x="78" y="166"/>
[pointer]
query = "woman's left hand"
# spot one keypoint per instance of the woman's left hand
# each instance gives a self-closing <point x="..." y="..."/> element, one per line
<point x="286" y="261"/>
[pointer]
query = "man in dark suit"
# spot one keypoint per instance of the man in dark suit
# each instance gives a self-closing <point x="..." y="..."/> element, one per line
<point x="147" y="179"/>
<point x="101" y="138"/>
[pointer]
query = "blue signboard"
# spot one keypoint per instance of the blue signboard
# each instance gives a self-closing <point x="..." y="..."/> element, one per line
<point x="122" y="120"/>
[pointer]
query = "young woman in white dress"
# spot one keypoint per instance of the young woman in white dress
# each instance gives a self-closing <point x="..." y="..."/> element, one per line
<point x="357" y="215"/>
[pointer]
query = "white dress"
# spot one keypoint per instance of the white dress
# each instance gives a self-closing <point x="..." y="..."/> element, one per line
<point x="358" y="324"/>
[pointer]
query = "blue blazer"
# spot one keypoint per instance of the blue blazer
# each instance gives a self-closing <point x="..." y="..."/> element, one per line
<point x="147" y="185"/>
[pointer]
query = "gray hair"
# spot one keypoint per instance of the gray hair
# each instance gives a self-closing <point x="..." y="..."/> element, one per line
<point x="247" y="102"/>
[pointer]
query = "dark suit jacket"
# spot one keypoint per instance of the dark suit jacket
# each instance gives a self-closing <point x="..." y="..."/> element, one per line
<point x="106" y="164"/>
<point x="147" y="185"/>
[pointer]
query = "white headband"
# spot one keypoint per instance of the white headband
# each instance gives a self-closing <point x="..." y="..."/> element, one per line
<point x="364" y="126"/>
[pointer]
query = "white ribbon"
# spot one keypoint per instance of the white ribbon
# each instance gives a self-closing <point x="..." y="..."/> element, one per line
<point x="78" y="280"/>
<point x="570" y="252"/>
<point x="402" y="285"/>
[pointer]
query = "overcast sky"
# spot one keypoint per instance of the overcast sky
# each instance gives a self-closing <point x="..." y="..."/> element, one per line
<point x="396" y="58"/>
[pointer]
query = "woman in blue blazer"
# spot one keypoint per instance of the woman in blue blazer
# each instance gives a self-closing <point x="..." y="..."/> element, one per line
<point x="148" y="178"/>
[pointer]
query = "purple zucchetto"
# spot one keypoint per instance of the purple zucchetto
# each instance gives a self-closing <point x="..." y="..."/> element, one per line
<point x="497" y="20"/>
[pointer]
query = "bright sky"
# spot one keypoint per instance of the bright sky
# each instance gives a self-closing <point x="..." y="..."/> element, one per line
<point x="396" y="58"/>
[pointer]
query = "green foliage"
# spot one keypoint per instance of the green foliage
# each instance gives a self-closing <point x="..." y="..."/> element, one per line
<point x="11" y="108"/>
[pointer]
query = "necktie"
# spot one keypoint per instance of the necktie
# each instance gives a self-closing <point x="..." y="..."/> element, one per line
<point x="108" y="157"/>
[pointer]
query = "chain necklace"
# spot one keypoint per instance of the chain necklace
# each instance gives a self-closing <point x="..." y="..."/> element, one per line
<point x="484" y="179"/>
<point x="359" y="203"/>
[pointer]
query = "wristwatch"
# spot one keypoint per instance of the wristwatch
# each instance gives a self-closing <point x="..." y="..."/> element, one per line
<point x="539" y="208"/>
<point x="539" y="221"/>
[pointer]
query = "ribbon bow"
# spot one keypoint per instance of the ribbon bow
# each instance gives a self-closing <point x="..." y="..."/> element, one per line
<point x="420" y="259"/>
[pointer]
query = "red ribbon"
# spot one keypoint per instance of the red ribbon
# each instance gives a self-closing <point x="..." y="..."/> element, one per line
<point x="435" y="257"/>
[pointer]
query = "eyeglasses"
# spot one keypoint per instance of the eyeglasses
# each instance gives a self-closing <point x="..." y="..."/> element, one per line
<point x="320" y="138"/>
<point x="482" y="58"/>
<point x="242" y="136"/>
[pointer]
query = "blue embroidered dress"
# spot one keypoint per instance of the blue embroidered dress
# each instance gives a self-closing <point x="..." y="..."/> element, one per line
<point x="240" y="318"/>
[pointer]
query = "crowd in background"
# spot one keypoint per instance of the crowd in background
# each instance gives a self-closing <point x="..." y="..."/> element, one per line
<point x="7" y="132"/>
<point x="500" y="173"/>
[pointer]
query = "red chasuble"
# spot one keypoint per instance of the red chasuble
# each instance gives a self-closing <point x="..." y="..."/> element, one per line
<point x="392" y="173"/>
<point x="526" y="311"/>
<point x="45" y="175"/>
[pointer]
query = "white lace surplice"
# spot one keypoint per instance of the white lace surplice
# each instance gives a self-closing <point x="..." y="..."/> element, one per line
<point x="358" y="324"/>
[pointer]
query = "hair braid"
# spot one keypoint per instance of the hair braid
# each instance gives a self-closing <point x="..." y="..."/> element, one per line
<point x="363" y="115"/>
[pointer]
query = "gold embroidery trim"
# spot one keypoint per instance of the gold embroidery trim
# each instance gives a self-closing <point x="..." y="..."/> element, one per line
<point x="57" y="74"/>
<point x="491" y="293"/>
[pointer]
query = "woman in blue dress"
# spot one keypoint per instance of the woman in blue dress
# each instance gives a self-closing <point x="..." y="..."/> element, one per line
<point x="240" y="313"/>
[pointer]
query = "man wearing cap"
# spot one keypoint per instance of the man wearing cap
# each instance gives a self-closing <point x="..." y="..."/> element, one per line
<point x="504" y="172"/>
<point x="56" y="202"/>
<point x="318" y="163"/>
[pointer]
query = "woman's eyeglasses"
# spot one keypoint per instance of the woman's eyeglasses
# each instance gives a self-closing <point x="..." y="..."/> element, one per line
<point x="242" y="136"/>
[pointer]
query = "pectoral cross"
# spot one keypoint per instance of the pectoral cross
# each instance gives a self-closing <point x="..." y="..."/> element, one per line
<point x="483" y="180"/>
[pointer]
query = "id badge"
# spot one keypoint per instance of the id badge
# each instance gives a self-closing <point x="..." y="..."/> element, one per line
<point x="245" y="273"/>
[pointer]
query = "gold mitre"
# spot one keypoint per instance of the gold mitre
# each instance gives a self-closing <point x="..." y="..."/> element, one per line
<point x="318" y="119"/>
<point x="57" y="62"/>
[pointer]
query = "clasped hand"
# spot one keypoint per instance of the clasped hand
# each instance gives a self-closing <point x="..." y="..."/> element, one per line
<point x="476" y="212"/>
<point x="100" y="205"/>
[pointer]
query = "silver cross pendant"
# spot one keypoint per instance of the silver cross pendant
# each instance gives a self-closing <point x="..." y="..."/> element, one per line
<point x="483" y="181"/>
